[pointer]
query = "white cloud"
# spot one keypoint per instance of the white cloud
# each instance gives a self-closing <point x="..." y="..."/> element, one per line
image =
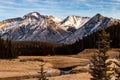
<point x="32" y="1"/>
<point x="118" y="0"/>
<point x="89" y="5"/>
<point x="3" y="7"/>
<point x="7" y="1"/>
<point x="80" y="0"/>
<point x="59" y="7"/>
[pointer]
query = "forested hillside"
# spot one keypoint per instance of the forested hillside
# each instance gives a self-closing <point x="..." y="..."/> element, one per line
<point x="12" y="49"/>
<point x="90" y="40"/>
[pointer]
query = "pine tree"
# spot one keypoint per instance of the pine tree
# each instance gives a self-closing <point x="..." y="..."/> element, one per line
<point x="99" y="67"/>
<point x="7" y="49"/>
<point x="42" y="73"/>
<point x="1" y="46"/>
<point x="14" y="51"/>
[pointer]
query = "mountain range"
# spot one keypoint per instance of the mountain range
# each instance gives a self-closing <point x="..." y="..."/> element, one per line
<point x="36" y="27"/>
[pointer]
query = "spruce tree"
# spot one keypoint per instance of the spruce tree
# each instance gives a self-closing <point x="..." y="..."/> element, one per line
<point x="14" y="51"/>
<point x="42" y="73"/>
<point x="99" y="67"/>
<point x="1" y="46"/>
<point x="7" y="49"/>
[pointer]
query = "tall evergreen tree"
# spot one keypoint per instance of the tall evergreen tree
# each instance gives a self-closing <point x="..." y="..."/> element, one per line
<point x="100" y="67"/>
<point x="7" y="50"/>
<point x="42" y="73"/>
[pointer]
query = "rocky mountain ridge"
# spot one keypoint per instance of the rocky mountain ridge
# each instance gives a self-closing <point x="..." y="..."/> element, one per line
<point x="34" y="26"/>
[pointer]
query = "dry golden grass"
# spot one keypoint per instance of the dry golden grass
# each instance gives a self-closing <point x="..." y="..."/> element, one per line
<point x="28" y="66"/>
<point x="87" y="53"/>
<point x="58" y="61"/>
<point x="79" y="76"/>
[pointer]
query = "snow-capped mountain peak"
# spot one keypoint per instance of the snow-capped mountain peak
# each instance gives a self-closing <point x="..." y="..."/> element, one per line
<point x="31" y="15"/>
<point x="34" y="26"/>
<point x="74" y="21"/>
<point x="97" y="22"/>
<point x="56" y="19"/>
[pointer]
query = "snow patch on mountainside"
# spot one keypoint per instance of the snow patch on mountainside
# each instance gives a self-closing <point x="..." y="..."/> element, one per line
<point x="35" y="14"/>
<point x="34" y="26"/>
<point x="58" y="20"/>
<point x="95" y="26"/>
<point x="97" y="22"/>
<point x="74" y="21"/>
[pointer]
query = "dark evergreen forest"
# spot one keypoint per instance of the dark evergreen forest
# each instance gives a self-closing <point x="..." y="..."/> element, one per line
<point x="12" y="49"/>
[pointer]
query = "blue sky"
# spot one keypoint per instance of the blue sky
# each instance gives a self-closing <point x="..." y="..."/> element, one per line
<point x="59" y="8"/>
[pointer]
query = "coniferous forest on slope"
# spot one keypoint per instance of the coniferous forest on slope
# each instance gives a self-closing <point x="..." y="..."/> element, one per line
<point x="12" y="49"/>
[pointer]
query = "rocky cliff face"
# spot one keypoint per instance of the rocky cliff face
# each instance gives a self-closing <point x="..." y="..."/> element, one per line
<point x="97" y="22"/>
<point x="34" y="26"/>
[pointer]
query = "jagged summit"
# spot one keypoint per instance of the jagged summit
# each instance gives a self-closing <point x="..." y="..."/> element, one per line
<point x="35" y="15"/>
<point x="94" y="24"/>
<point x="98" y="17"/>
<point x="98" y="14"/>
<point x="34" y="26"/>
<point x="74" y="21"/>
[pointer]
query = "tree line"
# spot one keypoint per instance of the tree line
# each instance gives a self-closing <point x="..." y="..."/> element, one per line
<point x="91" y="40"/>
<point x="7" y="49"/>
<point x="10" y="48"/>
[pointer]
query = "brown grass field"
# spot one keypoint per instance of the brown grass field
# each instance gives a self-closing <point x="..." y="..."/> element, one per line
<point x="27" y="67"/>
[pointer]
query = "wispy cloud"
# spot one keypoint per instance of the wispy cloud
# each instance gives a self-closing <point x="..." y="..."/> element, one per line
<point x="31" y="1"/>
<point x="117" y="0"/>
<point x="7" y="2"/>
<point x="61" y="8"/>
